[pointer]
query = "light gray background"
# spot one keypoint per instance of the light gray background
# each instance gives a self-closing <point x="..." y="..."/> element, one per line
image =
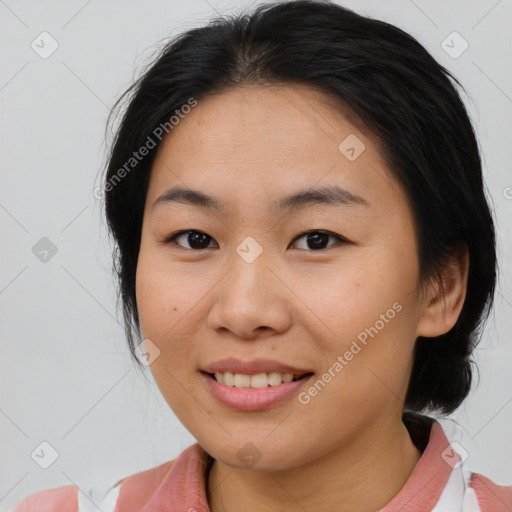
<point x="65" y="374"/>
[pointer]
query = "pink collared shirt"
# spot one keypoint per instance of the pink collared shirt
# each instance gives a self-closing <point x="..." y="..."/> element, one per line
<point x="438" y="483"/>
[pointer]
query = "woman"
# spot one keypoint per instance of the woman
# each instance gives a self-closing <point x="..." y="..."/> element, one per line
<point x="303" y="369"/>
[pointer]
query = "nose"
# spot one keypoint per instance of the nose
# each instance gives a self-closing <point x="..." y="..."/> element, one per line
<point x="251" y="301"/>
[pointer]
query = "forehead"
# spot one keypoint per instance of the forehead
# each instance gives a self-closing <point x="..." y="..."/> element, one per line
<point x="260" y="143"/>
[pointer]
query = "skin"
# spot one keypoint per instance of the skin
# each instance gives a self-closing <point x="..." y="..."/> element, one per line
<point x="347" y="449"/>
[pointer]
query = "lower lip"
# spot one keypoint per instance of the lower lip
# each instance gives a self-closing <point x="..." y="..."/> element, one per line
<point x="253" y="399"/>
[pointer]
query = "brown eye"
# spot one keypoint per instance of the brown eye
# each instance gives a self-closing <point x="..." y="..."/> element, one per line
<point x="317" y="240"/>
<point x="197" y="240"/>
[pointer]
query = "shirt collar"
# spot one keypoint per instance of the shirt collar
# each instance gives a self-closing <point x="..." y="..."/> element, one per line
<point x="184" y="485"/>
<point x="431" y="473"/>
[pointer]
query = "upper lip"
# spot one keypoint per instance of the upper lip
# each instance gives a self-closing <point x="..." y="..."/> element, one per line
<point x="252" y="367"/>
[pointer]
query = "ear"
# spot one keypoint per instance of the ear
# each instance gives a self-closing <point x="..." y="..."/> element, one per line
<point x="443" y="302"/>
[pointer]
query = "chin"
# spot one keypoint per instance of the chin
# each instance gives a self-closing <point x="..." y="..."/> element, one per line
<point x="256" y="454"/>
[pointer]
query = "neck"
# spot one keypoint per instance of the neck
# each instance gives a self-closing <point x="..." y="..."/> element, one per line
<point x="364" y="476"/>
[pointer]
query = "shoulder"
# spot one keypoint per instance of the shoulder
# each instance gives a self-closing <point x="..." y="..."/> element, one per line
<point x="59" y="499"/>
<point x="147" y="479"/>
<point x="491" y="495"/>
<point x="170" y="485"/>
<point x="138" y="488"/>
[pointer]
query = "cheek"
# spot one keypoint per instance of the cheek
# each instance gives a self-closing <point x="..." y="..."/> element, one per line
<point x="147" y="291"/>
<point x="157" y="298"/>
<point x="371" y="303"/>
<point x="167" y="301"/>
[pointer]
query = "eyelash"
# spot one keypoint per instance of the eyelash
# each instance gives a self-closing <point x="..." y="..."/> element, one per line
<point x="171" y="238"/>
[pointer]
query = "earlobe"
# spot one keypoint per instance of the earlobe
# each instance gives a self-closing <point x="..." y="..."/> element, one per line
<point x="443" y="303"/>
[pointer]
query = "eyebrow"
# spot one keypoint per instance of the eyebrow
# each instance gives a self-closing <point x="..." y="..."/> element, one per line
<point x="328" y="195"/>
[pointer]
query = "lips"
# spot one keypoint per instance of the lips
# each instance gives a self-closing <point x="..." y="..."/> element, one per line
<point x="252" y="399"/>
<point x="253" y="367"/>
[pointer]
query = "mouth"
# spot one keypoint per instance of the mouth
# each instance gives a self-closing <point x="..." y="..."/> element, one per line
<point x="254" y="392"/>
<point x="256" y="381"/>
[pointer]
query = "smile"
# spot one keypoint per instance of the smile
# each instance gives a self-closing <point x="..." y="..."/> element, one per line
<point x="239" y="391"/>
<point x="257" y="381"/>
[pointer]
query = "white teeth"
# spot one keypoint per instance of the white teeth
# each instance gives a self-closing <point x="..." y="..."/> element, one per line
<point x="260" y="380"/>
<point x="242" y="381"/>
<point x="228" y="379"/>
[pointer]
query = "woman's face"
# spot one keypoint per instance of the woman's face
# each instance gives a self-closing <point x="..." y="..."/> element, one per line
<point x="248" y="284"/>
